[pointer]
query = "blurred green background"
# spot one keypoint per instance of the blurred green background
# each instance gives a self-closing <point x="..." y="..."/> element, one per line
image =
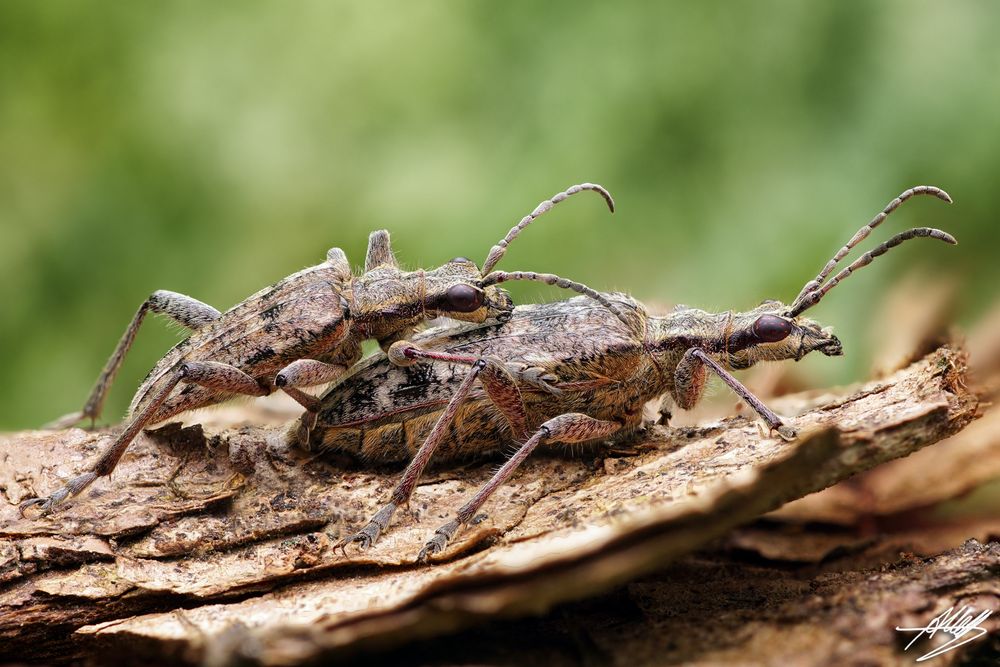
<point x="212" y="148"/>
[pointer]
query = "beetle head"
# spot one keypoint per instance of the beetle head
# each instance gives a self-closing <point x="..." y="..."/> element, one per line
<point x="767" y="333"/>
<point x="456" y="290"/>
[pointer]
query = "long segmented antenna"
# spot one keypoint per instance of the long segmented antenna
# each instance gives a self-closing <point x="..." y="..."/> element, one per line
<point x="497" y="251"/>
<point x="812" y="298"/>
<point x="863" y="233"/>
<point x="552" y="279"/>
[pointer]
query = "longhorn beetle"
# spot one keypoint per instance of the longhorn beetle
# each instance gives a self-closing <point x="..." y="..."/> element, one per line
<point x="306" y="330"/>
<point x="564" y="372"/>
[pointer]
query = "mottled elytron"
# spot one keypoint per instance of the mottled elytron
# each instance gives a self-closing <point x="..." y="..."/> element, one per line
<point x="305" y="330"/>
<point x="565" y="372"/>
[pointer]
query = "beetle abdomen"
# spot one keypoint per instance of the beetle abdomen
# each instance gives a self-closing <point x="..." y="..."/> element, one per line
<point x="478" y="430"/>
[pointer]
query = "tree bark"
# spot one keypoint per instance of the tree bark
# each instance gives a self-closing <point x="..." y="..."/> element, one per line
<point x="215" y="543"/>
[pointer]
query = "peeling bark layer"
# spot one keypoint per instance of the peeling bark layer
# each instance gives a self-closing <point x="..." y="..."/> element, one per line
<point x="216" y="542"/>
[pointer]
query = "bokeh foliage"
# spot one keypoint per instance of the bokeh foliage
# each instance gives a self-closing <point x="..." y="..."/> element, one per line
<point x="212" y="148"/>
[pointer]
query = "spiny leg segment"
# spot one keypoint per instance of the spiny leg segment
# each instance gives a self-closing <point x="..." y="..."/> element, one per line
<point x="184" y="310"/>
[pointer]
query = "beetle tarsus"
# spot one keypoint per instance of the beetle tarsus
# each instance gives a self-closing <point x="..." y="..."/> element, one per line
<point x="367" y="536"/>
<point x="70" y="489"/>
<point x="436" y="544"/>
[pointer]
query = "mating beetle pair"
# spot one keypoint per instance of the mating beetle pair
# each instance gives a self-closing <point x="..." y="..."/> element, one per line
<point x="568" y="372"/>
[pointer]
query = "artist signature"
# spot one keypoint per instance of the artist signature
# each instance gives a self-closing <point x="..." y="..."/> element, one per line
<point x="962" y="625"/>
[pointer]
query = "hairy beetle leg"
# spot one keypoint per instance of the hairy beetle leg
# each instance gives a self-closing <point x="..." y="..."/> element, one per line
<point x="72" y="488"/>
<point x="568" y="428"/>
<point x="499" y="385"/>
<point x="307" y="422"/>
<point x="68" y="420"/>
<point x="535" y="376"/>
<point x="368" y="535"/>
<point x="436" y="544"/>
<point x="689" y="383"/>
<point x="306" y="373"/>
<point x="182" y="309"/>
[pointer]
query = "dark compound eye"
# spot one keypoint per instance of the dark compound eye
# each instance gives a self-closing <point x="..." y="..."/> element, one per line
<point x="464" y="298"/>
<point x="771" y="329"/>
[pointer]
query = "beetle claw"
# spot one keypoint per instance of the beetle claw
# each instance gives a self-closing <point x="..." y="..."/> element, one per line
<point x="440" y="540"/>
<point x="367" y="536"/>
<point x="46" y="506"/>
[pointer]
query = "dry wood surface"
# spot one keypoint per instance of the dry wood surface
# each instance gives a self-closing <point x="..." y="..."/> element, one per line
<point x="215" y="542"/>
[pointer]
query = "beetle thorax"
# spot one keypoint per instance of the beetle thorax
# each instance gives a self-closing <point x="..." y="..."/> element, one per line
<point x="386" y="300"/>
